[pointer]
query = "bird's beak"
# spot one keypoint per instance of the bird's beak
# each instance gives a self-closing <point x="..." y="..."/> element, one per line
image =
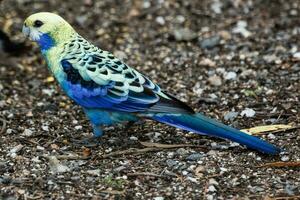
<point x="26" y="30"/>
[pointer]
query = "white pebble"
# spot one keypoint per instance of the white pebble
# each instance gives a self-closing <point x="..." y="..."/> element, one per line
<point x="215" y="80"/>
<point x="133" y="138"/>
<point x="241" y="29"/>
<point x="184" y="173"/>
<point x="210" y="197"/>
<point x="9" y="131"/>
<point x="27" y="132"/>
<point x="285" y="158"/>
<point x="45" y="128"/>
<point x="297" y="55"/>
<point x="212" y="188"/>
<point x="160" y="20"/>
<point x="78" y="127"/>
<point x="94" y="172"/>
<point x="271" y="136"/>
<point x="192" y="179"/>
<point x="40" y="148"/>
<point x="248" y="112"/>
<point x="230" y="76"/>
<point x="48" y="92"/>
<point x="16" y="149"/>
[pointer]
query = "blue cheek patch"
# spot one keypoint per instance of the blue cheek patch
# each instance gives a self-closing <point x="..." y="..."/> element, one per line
<point x="45" y="42"/>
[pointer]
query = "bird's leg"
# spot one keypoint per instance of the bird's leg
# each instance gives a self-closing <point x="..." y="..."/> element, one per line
<point x="93" y="140"/>
<point x="97" y="131"/>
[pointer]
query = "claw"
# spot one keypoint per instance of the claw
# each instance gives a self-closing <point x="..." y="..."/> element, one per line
<point x="129" y="124"/>
<point x="87" y="142"/>
<point x="91" y="141"/>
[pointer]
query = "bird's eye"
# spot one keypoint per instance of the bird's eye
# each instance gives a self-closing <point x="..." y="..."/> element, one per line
<point x="37" y="23"/>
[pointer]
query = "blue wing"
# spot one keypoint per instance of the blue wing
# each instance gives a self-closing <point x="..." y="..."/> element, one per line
<point x="96" y="79"/>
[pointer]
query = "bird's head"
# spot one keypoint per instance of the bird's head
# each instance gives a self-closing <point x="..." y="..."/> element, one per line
<point x="47" y="29"/>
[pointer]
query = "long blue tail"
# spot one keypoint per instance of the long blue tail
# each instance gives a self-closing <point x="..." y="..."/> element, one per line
<point x="203" y="125"/>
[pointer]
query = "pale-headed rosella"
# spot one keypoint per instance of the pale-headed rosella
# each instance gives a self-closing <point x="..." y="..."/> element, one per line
<point x="111" y="92"/>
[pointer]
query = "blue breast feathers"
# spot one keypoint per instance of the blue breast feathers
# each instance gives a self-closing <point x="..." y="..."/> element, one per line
<point x="46" y="42"/>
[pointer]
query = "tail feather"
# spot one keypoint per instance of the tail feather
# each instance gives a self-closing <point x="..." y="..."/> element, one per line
<point x="203" y="125"/>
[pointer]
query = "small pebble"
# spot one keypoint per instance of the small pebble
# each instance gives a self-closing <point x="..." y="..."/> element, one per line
<point x="241" y="29"/>
<point x="160" y="20"/>
<point x="211" y="42"/>
<point x="9" y="131"/>
<point x="94" y="172"/>
<point x="230" y="116"/>
<point x="271" y="136"/>
<point x="215" y="80"/>
<point x="212" y="188"/>
<point x="27" y="132"/>
<point x="207" y="62"/>
<point x="184" y="34"/>
<point x="56" y="166"/>
<point x="79" y="127"/>
<point x="45" y="128"/>
<point x="297" y="55"/>
<point x="133" y="138"/>
<point x="195" y="157"/>
<point x="248" y="112"/>
<point x="230" y="76"/>
<point x="16" y="149"/>
<point x="285" y="158"/>
<point x="171" y="163"/>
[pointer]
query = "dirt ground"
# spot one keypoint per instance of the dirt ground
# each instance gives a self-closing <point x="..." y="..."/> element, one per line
<point x="235" y="60"/>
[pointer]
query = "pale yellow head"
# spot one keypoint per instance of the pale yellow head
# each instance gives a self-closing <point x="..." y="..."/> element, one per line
<point x="45" y="26"/>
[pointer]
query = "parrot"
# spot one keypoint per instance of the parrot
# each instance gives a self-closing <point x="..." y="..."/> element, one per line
<point x="111" y="92"/>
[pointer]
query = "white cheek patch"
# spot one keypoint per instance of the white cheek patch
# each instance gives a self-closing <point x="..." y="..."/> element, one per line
<point x="35" y="35"/>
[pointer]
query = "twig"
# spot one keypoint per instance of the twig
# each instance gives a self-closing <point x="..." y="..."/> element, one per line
<point x="65" y="182"/>
<point x="282" y="198"/>
<point x="115" y="192"/>
<point x="80" y="196"/>
<point x="269" y="129"/>
<point x="72" y="157"/>
<point x="150" y="147"/>
<point x="282" y="164"/>
<point x="3" y="125"/>
<point x="145" y="174"/>
<point x="287" y="129"/>
<point x="279" y="116"/>
<point x="25" y="140"/>
<point x="41" y="196"/>
<point x="130" y="151"/>
<point x="168" y="146"/>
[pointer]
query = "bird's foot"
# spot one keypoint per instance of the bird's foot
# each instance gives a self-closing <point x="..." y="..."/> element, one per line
<point x="91" y="141"/>
<point x="129" y="124"/>
<point x="87" y="142"/>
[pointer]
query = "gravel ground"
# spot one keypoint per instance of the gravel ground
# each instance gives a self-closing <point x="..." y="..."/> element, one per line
<point x="234" y="60"/>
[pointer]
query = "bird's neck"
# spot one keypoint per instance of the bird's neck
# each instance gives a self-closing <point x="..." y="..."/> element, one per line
<point x="45" y="42"/>
<point x="53" y="57"/>
<point x="56" y="38"/>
